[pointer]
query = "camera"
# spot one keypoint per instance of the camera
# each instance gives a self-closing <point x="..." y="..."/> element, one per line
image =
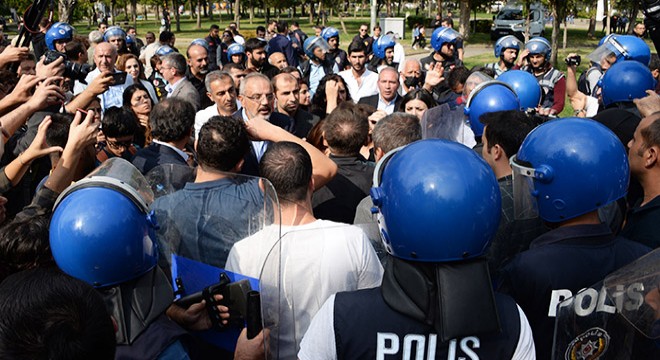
<point x="72" y="69"/>
<point x="573" y="60"/>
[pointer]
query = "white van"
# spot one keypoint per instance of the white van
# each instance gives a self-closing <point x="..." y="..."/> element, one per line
<point x="510" y="21"/>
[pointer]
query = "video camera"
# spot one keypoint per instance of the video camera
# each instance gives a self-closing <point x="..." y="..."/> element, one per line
<point x="244" y="303"/>
<point x="72" y="69"/>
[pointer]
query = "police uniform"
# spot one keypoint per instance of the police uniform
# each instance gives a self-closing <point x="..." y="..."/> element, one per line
<point x="553" y="84"/>
<point x="558" y="265"/>
<point x="365" y="327"/>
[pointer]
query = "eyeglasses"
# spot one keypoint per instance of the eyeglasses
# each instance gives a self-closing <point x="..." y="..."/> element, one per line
<point x="363" y="30"/>
<point x="119" y="144"/>
<point x="259" y="97"/>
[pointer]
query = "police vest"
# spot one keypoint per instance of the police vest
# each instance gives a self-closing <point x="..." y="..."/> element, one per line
<point x="547" y="83"/>
<point x="367" y="328"/>
<point x="306" y="69"/>
<point x="496" y="68"/>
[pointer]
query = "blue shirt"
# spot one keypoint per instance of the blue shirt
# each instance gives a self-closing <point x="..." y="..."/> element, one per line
<point x="202" y="221"/>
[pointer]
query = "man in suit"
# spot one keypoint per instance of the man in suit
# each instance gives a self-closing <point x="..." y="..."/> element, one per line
<point x="287" y="91"/>
<point x="388" y="98"/>
<point x="258" y="100"/>
<point x="173" y="70"/>
<point x="171" y="123"/>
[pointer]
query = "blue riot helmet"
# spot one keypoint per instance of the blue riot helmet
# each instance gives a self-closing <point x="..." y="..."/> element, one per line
<point x="164" y="50"/>
<point x="329" y="32"/>
<point x="526" y="86"/>
<point x="566" y="168"/>
<point x="507" y="42"/>
<point x="437" y="201"/>
<point x="443" y="35"/>
<point x="201" y="42"/>
<point x="58" y="31"/>
<point x="101" y="231"/>
<point x="314" y="42"/>
<point x="487" y="97"/>
<point x="626" y="81"/>
<point x="235" y="49"/>
<point x="113" y="32"/>
<point x="539" y="45"/>
<point x="621" y="47"/>
<point x="382" y="44"/>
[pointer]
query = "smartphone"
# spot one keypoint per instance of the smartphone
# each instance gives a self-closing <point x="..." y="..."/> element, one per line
<point x="119" y="78"/>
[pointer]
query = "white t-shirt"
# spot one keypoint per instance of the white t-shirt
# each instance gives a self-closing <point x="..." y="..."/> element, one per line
<point x="316" y="260"/>
<point x="368" y="87"/>
<point x="203" y="116"/>
<point x="319" y="341"/>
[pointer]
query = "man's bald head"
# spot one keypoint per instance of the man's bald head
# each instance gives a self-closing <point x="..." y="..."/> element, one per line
<point x="105" y="57"/>
<point x="278" y="60"/>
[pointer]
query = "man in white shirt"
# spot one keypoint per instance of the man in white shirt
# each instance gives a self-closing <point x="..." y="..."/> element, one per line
<point x="105" y="57"/>
<point x="360" y="81"/>
<point x="222" y="91"/>
<point x="318" y="257"/>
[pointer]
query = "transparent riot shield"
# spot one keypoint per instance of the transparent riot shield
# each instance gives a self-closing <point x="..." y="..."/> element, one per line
<point x="168" y="178"/>
<point x="618" y="318"/>
<point x="443" y="122"/>
<point x="303" y="270"/>
<point x="202" y="221"/>
<point x="120" y="175"/>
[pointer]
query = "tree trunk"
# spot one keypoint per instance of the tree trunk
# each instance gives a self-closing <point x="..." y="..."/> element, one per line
<point x="199" y="14"/>
<point x="527" y="20"/>
<point x="311" y="12"/>
<point x="112" y="11"/>
<point x="555" y="35"/>
<point x="388" y="6"/>
<point x="633" y="17"/>
<point x="237" y="12"/>
<point x="126" y="12"/>
<point x="343" y="25"/>
<point x="66" y="10"/>
<point x="591" y="32"/>
<point x="565" y="34"/>
<point x="175" y="8"/>
<point x="210" y="10"/>
<point x="438" y="4"/>
<point x="464" y="20"/>
<point x="134" y="12"/>
<point x="251" y="14"/>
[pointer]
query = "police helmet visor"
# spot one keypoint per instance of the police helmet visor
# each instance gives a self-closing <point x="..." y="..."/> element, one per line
<point x="473" y="80"/>
<point x="524" y="202"/>
<point x="611" y="51"/>
<point x="121" y="175"/>
<point x="319" y="43"/>
<point x="450" y="35"/>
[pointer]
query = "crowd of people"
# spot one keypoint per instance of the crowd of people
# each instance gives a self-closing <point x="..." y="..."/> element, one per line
<point x="390" y="207"/>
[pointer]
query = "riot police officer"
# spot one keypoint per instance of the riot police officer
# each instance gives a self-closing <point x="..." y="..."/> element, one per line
<point x="438" y="208"/>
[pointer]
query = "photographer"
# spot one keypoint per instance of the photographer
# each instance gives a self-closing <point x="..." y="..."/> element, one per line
<point x="105" y="57"/>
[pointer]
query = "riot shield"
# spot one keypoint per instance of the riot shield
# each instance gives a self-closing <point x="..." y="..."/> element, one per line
<point x="446" y="123"/>
<point x="119" y="174"/>
<point x="618" y="318"/>
<point x="168" y="178"/>
<point x="300" y="273"/>
<point x="203" y="220"/>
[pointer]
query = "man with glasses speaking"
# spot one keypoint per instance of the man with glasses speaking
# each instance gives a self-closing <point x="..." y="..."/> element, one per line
<point x="258" y="98"/>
